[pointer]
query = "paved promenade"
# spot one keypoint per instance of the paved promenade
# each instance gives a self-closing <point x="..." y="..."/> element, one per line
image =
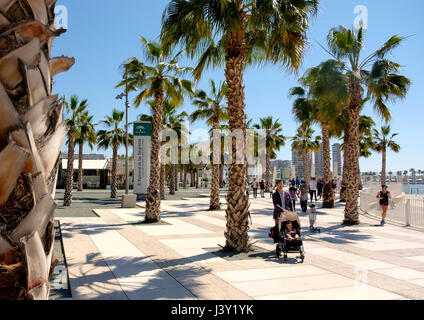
<point x="114" y="256"/>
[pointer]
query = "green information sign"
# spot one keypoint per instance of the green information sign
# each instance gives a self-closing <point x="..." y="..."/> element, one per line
<point x="142" y="129"/>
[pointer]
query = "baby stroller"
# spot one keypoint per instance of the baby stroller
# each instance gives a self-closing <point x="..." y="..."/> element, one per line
<point x="285" y="245"/>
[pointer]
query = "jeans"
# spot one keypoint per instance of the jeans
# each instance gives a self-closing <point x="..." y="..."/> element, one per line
<point x="255" y="193"/>
<point x="263" y="193"/>
<point x="304" y="205"/>
<point x="294" y="204"/>
<point x="313" y="194"/>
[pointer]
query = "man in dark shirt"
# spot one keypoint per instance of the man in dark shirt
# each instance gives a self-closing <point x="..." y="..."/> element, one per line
<point x="282" y="201"/>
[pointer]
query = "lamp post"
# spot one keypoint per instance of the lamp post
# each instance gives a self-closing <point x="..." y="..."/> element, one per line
<point x="127" y="106"/>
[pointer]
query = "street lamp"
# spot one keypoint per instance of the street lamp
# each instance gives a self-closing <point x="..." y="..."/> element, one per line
<point x="127" y="106"/>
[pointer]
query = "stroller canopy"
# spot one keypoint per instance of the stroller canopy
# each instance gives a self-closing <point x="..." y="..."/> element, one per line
<point x="288" y="216"/>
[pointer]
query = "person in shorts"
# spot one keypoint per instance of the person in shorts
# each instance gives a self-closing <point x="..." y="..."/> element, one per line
<point x="384" y="198"/>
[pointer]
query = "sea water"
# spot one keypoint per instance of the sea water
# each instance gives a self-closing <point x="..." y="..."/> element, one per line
<point x="413" y="188"/>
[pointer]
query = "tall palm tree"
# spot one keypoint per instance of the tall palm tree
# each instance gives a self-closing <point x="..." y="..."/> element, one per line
<point x="274" y="142"/>
<point x="382" y="82"/>
<point x="114" y="136"/>
<point x="339" y="128"/>
<point x="305" y="142"/>
<point x="235" y="33"/>
<point x="212" y="109"/>
<point x="384" y="141"/>
<point x="158" y="81"/>
<point x="322" y="102"/>
<point x="85" y="134"/>
<point x="176" y="123"/>
<point x="75" y="110"/>
<point x="31" y="136"/>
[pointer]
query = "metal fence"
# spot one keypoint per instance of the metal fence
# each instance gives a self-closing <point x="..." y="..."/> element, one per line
<point x="407" y="210"/>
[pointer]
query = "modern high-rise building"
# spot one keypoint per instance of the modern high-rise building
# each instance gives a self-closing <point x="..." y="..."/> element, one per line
<point x="337" y="160"/>
<point x="319" y="162"/>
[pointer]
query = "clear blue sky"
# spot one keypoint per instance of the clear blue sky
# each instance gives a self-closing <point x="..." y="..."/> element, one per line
<point x="102" y="34"/>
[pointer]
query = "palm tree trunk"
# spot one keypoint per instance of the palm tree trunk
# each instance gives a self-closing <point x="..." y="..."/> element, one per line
<point x="268" y="171"/>
<point x="306" y="171"/>
<point x="113" y="183"/>
<point x="221" y="176"/>
<point x="185" y="178"/>
<point x="172" y="179"/>
<point x="215" y="203"/>
<point x="69" y="185"/>
<point x="352" y="157"/>
<point x="237" y="214"/>
<point x="345" y="166"/>
<point x="29" y="158"/>
<point x="80" y="169"/>
<point x="176" y="177"/>
<point x="383" y="166"/>
<point x="328" y="196"/>
<point x="162" y="181"/>
<point x="153" y="192"/>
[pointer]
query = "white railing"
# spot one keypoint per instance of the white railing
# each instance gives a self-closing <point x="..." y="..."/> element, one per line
<point x="408" y="210"/>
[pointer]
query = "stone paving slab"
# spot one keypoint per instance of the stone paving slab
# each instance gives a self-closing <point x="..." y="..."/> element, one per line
<point x="176" y="260"/>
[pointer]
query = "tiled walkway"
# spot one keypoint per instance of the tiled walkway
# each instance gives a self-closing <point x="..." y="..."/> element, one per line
<point x="115" y="257"/>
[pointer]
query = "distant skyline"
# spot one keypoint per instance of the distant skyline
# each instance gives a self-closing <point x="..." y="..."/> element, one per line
<point x="102" y="35"/>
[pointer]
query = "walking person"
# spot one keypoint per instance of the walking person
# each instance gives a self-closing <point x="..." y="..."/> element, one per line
<point x="247" y="189"/>
<point x="262" y="185"/>
<point x="255" y="187"/>
<point x="304" y="191"/>
<point x="297" y="182"/>
<point x="313" y="186"/>
<point x="320" y="187"/>
<point x="282" y="201"/>
<point x="293" y="193"/>
<point x="384" y="197"/>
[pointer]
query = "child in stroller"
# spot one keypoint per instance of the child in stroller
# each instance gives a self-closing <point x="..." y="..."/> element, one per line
<point x="290" y="236"/>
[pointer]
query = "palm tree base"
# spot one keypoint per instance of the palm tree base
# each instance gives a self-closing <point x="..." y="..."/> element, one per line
<point x="347" y="222"/>
<point x="328" y="205"/>
<point x="151" y="221"/>
<point x="214" y="208"/>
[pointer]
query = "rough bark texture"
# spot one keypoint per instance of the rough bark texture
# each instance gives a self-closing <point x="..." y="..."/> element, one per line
<point x="80" y="169"/>
<point x="69" y="184"/>
<point x="31" y="135"/>
<point x="221" y="176"/>
<point x="268" y="182"/>
<point x="176" y="177"/>
<point x="162" y="181"/>
<point x="345" y="167"/>
<point x="328" y="196"/>
<point x="306" y="169"/>
<point x="383" y="166"/>
<point x="237" y="213"/>
<point x="215" y="203"/>
<point x="113" y="180"/>
<point x="153" y="192"/>
<point x="172" y="179"/>
<point x="352" y="157"/>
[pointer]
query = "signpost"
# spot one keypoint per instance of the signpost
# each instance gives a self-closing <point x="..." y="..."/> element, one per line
<point x="142" y="154"/>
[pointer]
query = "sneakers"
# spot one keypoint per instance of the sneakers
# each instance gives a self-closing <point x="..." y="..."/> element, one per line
<point x="382" y="223"/>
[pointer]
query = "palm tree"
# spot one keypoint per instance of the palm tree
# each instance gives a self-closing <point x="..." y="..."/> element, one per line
<point x="160" y="81"/>
<point x="384" y="141"/>
<point x="75" y="109"/>
<point x="322" y="102"/>
<point x="85" y="134"/>
<point x="113" y="137"/>
<point x="236" y="33"/>
<point x="274" y="142"/>
<point x="305" y="142"/>
<point x="214" y="111"/>
<point x="31" y="136"/>
<point x="382" y="83"/>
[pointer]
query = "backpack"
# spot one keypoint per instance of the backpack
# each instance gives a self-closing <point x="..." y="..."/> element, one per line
<point x="274" y="234"/>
